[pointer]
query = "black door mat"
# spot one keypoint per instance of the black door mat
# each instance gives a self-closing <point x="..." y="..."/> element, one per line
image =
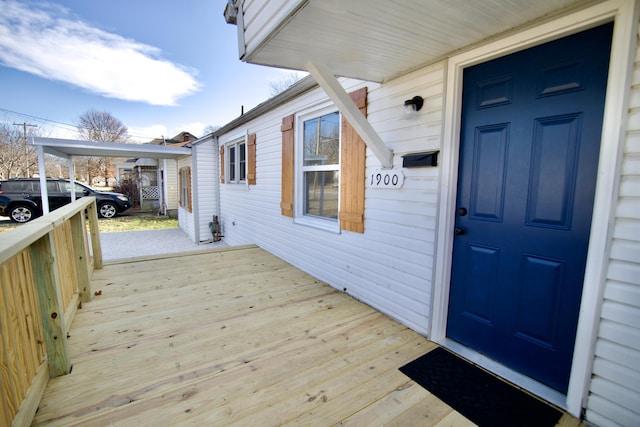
<point x="476" y="394"/>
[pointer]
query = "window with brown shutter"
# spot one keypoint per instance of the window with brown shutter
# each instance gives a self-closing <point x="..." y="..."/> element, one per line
<point x="185" y="188"/>
<point x="189" y="205"/>
<point x="222" y="164"/>
<point x="286" y="202"/>
<point x="251" y="159"/>
<point x="352" y="171"/>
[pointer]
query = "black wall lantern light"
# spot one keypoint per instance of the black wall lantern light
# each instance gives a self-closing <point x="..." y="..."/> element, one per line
<point x="412" y="106"/>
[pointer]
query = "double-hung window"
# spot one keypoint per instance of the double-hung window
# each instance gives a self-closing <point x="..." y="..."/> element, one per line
<point x="319" y="168"/>
<point x="185" y="188"/>
<point x="237" y="162"/>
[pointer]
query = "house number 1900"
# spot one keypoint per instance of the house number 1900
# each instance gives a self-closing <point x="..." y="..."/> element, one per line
<point x="386" y="178"/>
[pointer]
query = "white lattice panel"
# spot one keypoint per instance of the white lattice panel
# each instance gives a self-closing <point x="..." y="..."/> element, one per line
<point x="150" y="192"/>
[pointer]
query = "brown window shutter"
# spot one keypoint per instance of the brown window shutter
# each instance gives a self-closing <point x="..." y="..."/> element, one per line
<point x="222" y="165"/>
<point x="180" y="178"/>
<point x="286" y="202"/>
<point x="352" y="171"/>
<point x="251" y="159"/>
<point x="189" y="189"/>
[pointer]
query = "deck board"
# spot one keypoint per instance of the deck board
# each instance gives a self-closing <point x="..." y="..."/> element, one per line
<point x="235" y="337"/>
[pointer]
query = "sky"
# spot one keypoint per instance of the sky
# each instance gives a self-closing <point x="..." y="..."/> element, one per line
<point x="159" y="66"/>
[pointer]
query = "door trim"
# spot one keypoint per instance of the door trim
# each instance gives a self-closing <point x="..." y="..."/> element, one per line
<point x="625" y="13"/>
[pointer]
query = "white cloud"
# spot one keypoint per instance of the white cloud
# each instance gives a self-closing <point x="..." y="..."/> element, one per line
<point x="43" y="40"/>
<point x="147" y="133"/>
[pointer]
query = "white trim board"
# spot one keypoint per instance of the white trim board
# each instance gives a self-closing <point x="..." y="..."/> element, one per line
<point x="625" y="14"/>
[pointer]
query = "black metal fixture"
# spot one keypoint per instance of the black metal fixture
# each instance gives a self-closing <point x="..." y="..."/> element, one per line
<point x="416" y="160"/>
<point x="412" y="106"/>
<point x="231" y="13"/>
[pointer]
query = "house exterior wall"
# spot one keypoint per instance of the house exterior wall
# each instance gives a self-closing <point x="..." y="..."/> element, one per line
<point x="389" y="266"/>
<point x="615" y="385"/>
<point x="205" y="185"/>
<point x="170" y="167"/>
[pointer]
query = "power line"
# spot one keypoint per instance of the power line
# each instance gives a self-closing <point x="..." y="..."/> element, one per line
<point x="56" y="123"/>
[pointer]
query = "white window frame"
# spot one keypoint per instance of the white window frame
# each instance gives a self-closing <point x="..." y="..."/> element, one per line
<point x="185" y="199"/>
<point x="326" y="224"/>
<point x="236" y="161"/>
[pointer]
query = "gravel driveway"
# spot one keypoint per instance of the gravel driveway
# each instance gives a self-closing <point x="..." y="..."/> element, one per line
<point x="133" y="244"/>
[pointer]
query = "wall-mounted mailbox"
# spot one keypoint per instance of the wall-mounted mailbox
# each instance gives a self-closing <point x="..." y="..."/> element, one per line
<point x="418" y="160"/>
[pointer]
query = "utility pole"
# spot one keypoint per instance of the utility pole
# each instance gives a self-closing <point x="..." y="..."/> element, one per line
<point x="26" y="146"/>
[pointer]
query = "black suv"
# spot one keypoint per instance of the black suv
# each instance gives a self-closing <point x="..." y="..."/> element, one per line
<point x="20" y="198"/>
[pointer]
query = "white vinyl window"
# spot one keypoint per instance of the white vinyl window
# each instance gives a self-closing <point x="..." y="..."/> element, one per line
<point x="318" y="179"/>
<point x="236" y="160"/>
<point x="185" y="188"/>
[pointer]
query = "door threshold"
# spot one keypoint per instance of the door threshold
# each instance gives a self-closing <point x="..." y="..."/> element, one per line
<point x="544" y="392"/>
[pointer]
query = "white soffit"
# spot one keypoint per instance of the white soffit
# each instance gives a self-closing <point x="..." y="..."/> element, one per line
<point x="70" y="147"/>
<point x="378" y="40"/>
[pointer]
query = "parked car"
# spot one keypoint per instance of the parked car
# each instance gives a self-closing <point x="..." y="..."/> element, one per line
<point x="21" y="200"/>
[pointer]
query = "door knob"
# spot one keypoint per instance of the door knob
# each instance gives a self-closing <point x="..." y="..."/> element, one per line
<point x="459" y="231"/>
<point x="462" y="211"/>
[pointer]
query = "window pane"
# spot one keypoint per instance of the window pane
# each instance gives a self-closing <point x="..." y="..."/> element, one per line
<point x="322" y="140"/>
<point x="321" y="194"/>
<point x="243" y="161"/>
<point x="52" y="187"/>
<point x="232" y="163"/>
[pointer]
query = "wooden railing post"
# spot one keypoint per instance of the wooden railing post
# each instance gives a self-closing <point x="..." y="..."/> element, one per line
<point x="96" y="249"/>
<point x="80" y="253"/>
<point x="51" y="307"/>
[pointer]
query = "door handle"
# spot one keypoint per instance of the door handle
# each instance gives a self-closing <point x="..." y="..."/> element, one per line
<point x="459" y="231"/>
<point x="462" y="211"/>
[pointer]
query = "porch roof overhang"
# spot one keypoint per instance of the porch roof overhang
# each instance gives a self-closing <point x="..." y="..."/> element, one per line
<point x="373" y="40"/>
<point x="377" y="40"/>
<point x="67" y="148"/>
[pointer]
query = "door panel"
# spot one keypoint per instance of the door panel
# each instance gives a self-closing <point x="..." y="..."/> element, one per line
<point x="530" y="137"/>
<point x="488" y="169"/>
<point x="553" y="171"/>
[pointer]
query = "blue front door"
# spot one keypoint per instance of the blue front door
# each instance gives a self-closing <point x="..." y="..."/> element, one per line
<point x="530" y="137"/>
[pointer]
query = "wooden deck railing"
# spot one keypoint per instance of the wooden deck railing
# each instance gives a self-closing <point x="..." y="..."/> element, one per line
<point x="44" y="274"/>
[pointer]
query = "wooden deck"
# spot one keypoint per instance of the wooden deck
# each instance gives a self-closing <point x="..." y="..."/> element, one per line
<point x="235" y="337"/>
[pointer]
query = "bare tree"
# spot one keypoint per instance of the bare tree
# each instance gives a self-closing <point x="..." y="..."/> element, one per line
<point x="210" y="129"/>
<point x="15" y="155"/>
<point x="100" y="126"/>
<point x="284" y="83"/>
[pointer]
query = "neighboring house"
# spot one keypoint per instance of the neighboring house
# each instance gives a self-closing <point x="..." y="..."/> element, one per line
<point x="158" y="189"/>
<point x="501" y="219"/>
<point x="156" y="177"/>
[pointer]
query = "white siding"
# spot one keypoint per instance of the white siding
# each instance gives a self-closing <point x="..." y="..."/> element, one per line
<point x="390" y="265"/>
<point x="614" y="395"/>
<point x="171" y="183"/>
<point x="262" y="17"/>
<point x="204" y="177"/>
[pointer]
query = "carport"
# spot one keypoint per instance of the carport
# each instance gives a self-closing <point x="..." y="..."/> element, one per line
<point x="68" y="148"/>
